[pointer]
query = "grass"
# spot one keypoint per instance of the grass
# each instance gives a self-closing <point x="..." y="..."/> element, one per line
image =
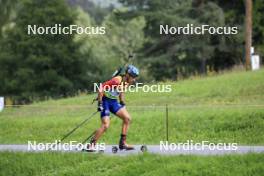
<point x="81" y="164"/>
<point x="199" y="109"/>
<point x="228" y="88"/>
<point x="223" y="108"/>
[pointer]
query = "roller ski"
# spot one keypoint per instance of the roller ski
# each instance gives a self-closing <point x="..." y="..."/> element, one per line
<point x="142" y="148"/>
<point x="92" y="147"/>
<point x="123" y="146"/>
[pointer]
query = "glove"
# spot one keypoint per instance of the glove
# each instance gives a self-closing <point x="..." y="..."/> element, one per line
<point x="100" y="107"/>
<point x="122" y="103"/>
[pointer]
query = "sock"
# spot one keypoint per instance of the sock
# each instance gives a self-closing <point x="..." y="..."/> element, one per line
<point x="93" y="141"/>
<point x="122" y="138"/>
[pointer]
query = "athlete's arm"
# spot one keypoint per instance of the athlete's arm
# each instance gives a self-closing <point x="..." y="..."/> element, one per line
<point x="100" y="96"/>
<point x="122" y="98"/>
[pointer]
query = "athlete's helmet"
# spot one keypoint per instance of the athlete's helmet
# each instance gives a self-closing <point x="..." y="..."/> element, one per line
<point x="132" y="71"/>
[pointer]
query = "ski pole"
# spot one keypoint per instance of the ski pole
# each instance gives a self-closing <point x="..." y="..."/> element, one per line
<point x="78" y="126"/>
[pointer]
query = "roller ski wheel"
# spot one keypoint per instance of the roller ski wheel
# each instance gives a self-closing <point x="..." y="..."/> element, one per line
<point x="143" y="148"/>
<point x="114" y="149"/>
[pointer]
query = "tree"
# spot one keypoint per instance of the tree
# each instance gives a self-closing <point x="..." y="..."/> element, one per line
<point x="258" y="26"/>
<point x="180" y="55"/>
<point x="41" y="65"/>
<point x="106" y="52"/>
<point x="98" y="13"/>
<point x="5" y="12"/>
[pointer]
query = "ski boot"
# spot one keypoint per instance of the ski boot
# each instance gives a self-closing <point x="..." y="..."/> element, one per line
<point x="91" y="147"/>
<point x="123" y="145"/>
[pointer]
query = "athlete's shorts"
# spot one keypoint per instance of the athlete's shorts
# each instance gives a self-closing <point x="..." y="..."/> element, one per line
<point x="110" y="105"/>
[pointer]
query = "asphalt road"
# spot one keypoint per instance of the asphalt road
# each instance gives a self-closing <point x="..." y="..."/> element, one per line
<point x="150" y="149"/>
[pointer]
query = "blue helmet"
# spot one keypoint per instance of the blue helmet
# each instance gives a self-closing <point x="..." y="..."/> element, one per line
<point x="132" y="71"/>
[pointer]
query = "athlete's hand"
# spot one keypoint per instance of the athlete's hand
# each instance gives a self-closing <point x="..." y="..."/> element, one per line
<point x="100" y="106"/>
<point x="122" y="103"/>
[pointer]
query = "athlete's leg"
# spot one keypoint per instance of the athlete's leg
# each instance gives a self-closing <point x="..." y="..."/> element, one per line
<point x="124" y="115"/>
<point x="105" y="123"/>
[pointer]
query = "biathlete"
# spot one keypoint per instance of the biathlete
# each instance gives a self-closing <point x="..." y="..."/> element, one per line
<point x="108" y="95"/>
